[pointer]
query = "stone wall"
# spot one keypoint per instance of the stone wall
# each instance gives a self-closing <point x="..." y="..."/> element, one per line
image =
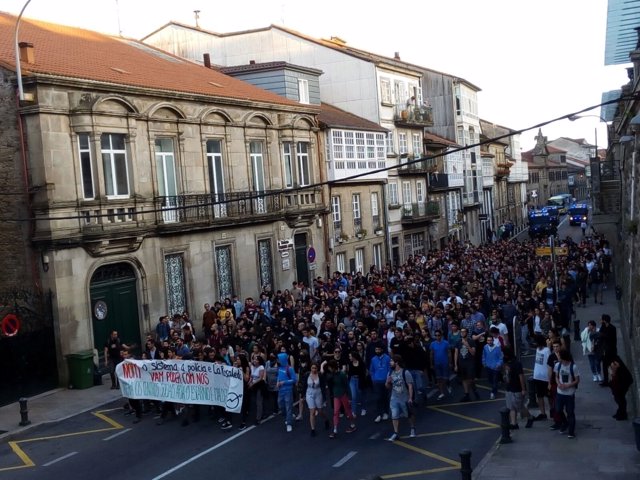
<point x="17" y="270"/>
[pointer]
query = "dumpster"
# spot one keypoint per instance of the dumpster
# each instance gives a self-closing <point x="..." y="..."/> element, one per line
<point x="80" y="369"/>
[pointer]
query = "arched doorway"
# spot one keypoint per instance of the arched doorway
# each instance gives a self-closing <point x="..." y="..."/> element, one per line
<point x="114" y="304"/>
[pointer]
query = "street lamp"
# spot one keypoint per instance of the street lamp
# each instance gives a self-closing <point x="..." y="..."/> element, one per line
<point x="18" y="66"/>
<point x="594" y="164"/>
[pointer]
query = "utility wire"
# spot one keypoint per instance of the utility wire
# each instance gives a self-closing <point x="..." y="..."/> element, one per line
<point x="330" y="183"/>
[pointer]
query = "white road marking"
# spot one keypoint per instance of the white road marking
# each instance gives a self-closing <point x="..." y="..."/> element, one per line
<point x="202" y="454"/>
<point x="116" y="435"/>
<point x="344" y="459"/>
<point x="59" y="459"/>
<point x="375" y="436"/>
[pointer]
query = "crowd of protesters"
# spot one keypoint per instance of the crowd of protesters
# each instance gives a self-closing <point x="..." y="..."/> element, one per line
<point x="376" y="343"/>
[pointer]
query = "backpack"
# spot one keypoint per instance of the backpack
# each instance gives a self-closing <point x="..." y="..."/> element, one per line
<point x="556" y="370"/>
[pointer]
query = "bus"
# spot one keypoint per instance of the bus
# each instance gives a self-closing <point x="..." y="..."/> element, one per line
<point x="578" y="213"/>
<point x="562" y="201"/>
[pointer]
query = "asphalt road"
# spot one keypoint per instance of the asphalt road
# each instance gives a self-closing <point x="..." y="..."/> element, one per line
<point x="105" y="444"/>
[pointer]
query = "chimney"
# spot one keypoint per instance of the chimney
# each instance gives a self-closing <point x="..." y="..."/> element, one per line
<point x="207" y="60"/>
<point x="396" y="56"/>
<point x="252" y="62"/>
<point x="26" y="53"/>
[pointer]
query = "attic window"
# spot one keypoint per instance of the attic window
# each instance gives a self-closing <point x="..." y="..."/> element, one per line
<point x="215" y="84"/>
<point x="119" y="70"/>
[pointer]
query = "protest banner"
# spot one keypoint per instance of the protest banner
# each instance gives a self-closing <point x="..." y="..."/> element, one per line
<point x="182" y="381"/>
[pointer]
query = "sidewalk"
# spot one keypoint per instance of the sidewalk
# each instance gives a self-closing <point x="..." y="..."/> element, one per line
<point x="53" y="406"/>
<point x="603" y="448"/>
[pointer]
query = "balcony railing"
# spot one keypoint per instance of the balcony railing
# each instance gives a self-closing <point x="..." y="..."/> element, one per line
<point x="235" y="206"/>
<point x="502" y="170"/>
<point x="419" y="115"/>
<point x="408" y="165"/>
<point x="420" y="212"/>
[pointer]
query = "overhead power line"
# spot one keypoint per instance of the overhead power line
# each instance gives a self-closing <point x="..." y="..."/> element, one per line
<point x="257" y="195"/>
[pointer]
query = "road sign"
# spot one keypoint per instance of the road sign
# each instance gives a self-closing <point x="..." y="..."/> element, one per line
<point x="311" y="254"/>
<point x="561" y="250"/>
<point x="10" y="325"/>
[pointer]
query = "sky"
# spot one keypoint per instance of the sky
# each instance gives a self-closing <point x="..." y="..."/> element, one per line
<point x="533" y="60"/>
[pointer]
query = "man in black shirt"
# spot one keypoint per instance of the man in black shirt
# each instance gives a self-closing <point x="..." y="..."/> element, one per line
<point x="609" y="339"/>
<point x="113" y="356"/>
<point x="516" y="389"/>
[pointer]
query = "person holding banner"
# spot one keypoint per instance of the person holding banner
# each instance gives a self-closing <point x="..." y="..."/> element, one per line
<point x="286" y="381"/>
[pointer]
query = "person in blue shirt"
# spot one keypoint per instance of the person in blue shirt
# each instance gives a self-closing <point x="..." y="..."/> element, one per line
<point x="441" y="361"/>
<point x="379" y="369"/>
<point x="286" y="380"/>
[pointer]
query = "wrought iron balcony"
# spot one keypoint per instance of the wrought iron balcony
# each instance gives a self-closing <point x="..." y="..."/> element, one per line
<point x="420" y="212"/>
<point x="237" y="207"/>
<point x="408" y="165"/>
<point x="413" y="115"/>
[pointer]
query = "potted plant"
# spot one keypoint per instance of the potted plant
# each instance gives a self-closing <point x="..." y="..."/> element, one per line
<point x="343" y="237"/>
<point x="378" y="231"/>
<point x="362" y="233"/>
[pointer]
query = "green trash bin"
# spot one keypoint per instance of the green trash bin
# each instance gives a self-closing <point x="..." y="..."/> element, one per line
<point x="80" y="369"/>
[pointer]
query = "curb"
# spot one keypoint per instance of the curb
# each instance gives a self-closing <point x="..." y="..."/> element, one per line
<point x="20" y="430"/>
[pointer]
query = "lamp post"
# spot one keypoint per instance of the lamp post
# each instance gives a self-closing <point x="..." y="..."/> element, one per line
<point x="17" y="47"/>
<point x="594" y="163"/>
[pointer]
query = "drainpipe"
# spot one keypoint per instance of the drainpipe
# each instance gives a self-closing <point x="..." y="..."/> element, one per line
<point x="387" y="235"/>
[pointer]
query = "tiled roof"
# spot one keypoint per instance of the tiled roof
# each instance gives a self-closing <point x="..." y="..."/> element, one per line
<point x="333" y="117"/>
<point x="552" y="149"/>
<point x="74" y="53"/>
<point x="436" y="139"/>
<point x="266" y="66"/>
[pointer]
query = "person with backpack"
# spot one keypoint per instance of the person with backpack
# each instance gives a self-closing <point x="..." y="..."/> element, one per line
<point x="400" y="382"/>
<point x="567" y="377"/>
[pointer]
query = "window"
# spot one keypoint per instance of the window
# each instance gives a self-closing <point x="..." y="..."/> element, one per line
<point x="360" y="260"/>
<point x="375" y="211"/>
<point x="86" y="168"/>
<point x="341" y="262"/>
<point x="114" y="159"/>
<point x="392" y="193"/>
<point x="303" y="90"/>
<point x="406" y="193"/>
<point x="224" y="270"/>
<point x="381" y="149"/>
<point x="377" y="255"/>
<point x="288" y="165"/>
<point x="417" y="144"/>
<point x="304" y="173"/>
<point x="402" y="143"/>
<point x="265" y="262"/>
<point x="257" y="173"/>
<point x="355" y="202"/>
<point x="385" y="91"/>
<point x="335" y="209"/>
<point x="216" y="177"/>
<point x="166" y="168"/>
<point x="374" y="204"/>
<point x="360" y="150"/>
<point x="390" y="143"/>
<point x="420" y="191"/>
<point x="174" y="283"/>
